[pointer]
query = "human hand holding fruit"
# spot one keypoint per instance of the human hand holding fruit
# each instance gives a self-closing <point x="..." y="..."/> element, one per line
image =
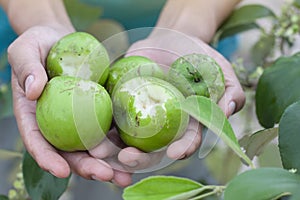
<point x="164" y="47"/>
<point x="27" y="56"/>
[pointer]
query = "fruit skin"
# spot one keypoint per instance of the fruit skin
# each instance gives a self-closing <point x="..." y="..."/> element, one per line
<point x="74" y="114"/>
<point x="129" y="67"/>
<point x="197" y="74"/>
<point x="78" y="54"/>
<point x="145" y="113"/>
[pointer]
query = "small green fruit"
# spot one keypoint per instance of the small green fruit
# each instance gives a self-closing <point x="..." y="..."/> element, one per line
<point x="74" y="114"/>
<point x="81" y="55"/>
<point x="146" y="115"/>
<point x="197" y="74"/>
<point x="129" y="67"/>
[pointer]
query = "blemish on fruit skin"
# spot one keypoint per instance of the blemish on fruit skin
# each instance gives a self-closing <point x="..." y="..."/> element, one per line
<point x="68" y="89"/>
<point x="85" y="86"/>
<point x="137" y="119"/>
<point x="83" y="66"/>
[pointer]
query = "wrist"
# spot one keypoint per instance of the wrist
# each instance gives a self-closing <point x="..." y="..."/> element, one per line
<point x="197" y="18"/>
<point x="24" y="14"/>
<point x="204" y="29"/>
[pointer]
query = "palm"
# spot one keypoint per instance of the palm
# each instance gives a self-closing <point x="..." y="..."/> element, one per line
<point x="26" y="56"/>
<point x="164" y="47"/>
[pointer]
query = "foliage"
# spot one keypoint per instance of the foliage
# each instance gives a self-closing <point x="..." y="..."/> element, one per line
<point x="5" y="92"/>
<point x="243" y="19"/>
<point x="263" y="183"/>
<point x="271" y="96"/>
<point x="162" y="187"/>
<point x="210" y="115"/>
<point x="39" y="183"/>
<point x="82" y="15"/>
<point x="6" y="108"/>
<point x="289" y="137"/>
<point x="274" y="81"/>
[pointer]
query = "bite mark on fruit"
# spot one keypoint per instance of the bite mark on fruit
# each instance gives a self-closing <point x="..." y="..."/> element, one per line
<point x="68" y="66"/>
<point x="86" y="86"/>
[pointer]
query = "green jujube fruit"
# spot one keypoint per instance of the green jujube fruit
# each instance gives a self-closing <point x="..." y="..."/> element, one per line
<point x="78" y="54"/>
<point x="74" y="114"/>
<point x="197" y="74"/>
<point x="129" y="67"/>
<point x="146" y="115"/>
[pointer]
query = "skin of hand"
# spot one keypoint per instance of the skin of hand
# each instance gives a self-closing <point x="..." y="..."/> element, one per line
<point x="187" y="32"/>
<point x="26" y="55"/>
<point x="161" y="48"/>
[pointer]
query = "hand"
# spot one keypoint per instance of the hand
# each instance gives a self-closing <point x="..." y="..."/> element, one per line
<point x="164" y="47"/>
<point x="27" y="55"/>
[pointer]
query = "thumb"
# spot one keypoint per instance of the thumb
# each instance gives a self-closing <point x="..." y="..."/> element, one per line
<point x="26" y="62"/>
<point x="232" y="100"/>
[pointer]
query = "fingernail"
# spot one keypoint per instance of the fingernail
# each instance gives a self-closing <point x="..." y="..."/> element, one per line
<point x="182" y="157"/>
<point x="113" y="182"/>
<point x="231" y="107"/>
<point x="104" y="163"/>
<point x="95" y="178"/>
<point x="51" y="172"/>
<point x="28" y="82"/>
<point x="132" y="164"/>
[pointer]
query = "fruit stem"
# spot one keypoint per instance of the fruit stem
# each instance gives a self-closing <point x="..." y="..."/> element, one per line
<point x="215" y="190"/>
<point x="196" y="76"/>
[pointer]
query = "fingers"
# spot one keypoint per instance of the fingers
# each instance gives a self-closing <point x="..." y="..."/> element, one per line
<point x="188" y="143"/>
<point x="110" y="146"/>
<point x="34" y="142"/>
<point x="88" y="167"/>
<point x="234" y="98"/>
<point x="104" y="150"/>
<point x="122" y="178"/>
<point x="136" y="159"/>
<point x="91" y="168"/>
<point x="122" y="175"/>
<point x="25" y="57"/>
<point x="149" y="49"/>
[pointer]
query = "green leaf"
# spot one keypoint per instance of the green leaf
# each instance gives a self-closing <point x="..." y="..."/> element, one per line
<point x="41" y="184"/>
<point x="262" y="49"/>
<point x="270" y="157"/>
<point x="277" y="88"/>
<point x="297" y="3"/>
<point x="210" y="115"/>
<point x="289" y="137"/>
<point x="3" y="60"/>
<point x="295" y="196"/>
<point x="237" y="29"/>
<point x="6" y="107"/>
<point x="82" y="15"/>
<point x="162" y="187"/>
<point x="244" y="18"/>
<point x="223" y="164"/>
<point x="6" y="154"/>
<point x="254" y="144"/>
<point x="262" y="184"/>
<point x="3" y="197"/>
